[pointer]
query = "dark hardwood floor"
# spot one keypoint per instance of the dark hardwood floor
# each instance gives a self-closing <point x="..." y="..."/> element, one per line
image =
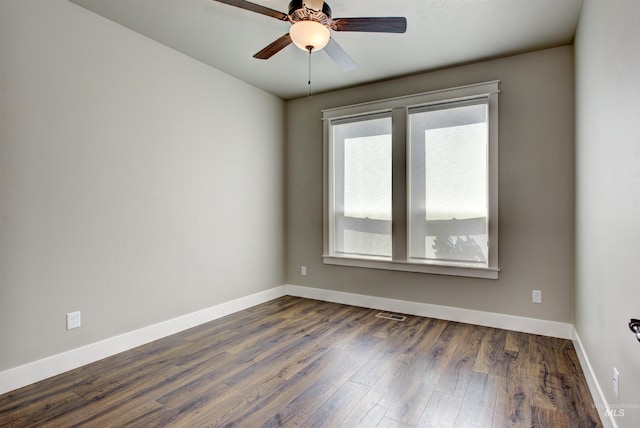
<point x="306" y="363"/>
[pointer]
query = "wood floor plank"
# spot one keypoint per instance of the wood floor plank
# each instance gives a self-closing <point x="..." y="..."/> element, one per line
<point x="424" y="337"/>
<point x="102" y="415"/>
<point x="277" y="340"/>
<point x="383" y="395"/>
<point x="502" y="414"/>
<point x="375" y="367"/>
<point x="517" y="342"/>
<point x="202" y="379"/>
<point x="550" y="418"/>
<point x="112" y="401"/>
<point x="491" y="355"/>
<point x="412" y="387"/>
<point x="306" y="363"/>
<point x="411" y="400"/>
<point x="352" y="329"/>
<point x="40" y="413"/>
<point x="298" y="410"/>
<point x="441" y="411"/>
<point x="478" y="404"/>
<point x="333" y="411"/>
<point x="441" y="353"/>
<point x="455" y="377"/>
<point x="368" y="412"/>
<point x="515" y="405"/>
<point x="233" y="336"/>
<point x="574" y="388"/>
<point x="47" y="391"/>
<point x="391" y="423"/>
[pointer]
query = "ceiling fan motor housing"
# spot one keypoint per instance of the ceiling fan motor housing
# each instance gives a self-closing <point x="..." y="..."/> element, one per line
<point x="300" y="10"/>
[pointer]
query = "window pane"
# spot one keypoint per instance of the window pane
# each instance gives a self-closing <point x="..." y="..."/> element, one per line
<point x="449" y="179"/>
<point x="367" y="177"/>
<point x="363" y="187"/>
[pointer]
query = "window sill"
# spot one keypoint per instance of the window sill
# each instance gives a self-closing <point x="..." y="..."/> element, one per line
<point x="379" y="263"/>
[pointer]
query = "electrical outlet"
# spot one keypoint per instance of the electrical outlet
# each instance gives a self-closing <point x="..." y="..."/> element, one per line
<point x="303" y="270"/>
<point x="616" y="379"/>
<point x="536" y="296"/>
<point x="73" y="320"/>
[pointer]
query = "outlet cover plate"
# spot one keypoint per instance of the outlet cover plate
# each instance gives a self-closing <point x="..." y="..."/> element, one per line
<point x="73" y="320"/>
<point x="536" y="296"/>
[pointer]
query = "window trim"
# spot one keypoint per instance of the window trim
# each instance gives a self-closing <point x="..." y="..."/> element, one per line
<point x="399" y="108"/>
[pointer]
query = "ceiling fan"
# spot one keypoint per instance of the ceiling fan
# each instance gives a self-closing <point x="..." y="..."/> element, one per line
<point x="310" y="24"/>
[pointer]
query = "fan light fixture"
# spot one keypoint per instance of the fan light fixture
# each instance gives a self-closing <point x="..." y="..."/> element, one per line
<point x="309" y="35"/>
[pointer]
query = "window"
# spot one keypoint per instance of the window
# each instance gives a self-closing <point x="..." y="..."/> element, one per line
<point x="411" y="183"/>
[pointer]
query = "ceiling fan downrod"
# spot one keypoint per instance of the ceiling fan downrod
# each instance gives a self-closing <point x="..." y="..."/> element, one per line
<point x="310" y="49"/>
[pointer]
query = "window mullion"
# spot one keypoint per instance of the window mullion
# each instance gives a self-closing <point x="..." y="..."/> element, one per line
<point x="399" y="117"/>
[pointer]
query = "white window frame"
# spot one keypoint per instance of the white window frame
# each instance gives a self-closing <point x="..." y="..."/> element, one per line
<point x="399" y="109"/>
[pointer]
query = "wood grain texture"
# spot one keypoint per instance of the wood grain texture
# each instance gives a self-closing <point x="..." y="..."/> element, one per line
<point x="304" y="363"/>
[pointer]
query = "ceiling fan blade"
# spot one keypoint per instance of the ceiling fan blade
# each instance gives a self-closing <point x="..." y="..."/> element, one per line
<point x="274" y="47"/>
<point x="339" y="56"/>
<point x="243" y="4"/>
<point x="372" y="25"/>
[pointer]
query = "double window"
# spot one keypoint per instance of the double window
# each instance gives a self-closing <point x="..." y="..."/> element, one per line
<point x="411" y="183"/>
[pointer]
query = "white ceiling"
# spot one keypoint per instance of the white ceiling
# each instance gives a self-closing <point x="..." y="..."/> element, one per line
<point x="440" y="33"/>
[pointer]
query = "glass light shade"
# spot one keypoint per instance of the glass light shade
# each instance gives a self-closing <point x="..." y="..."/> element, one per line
<point x="309" y="33"/>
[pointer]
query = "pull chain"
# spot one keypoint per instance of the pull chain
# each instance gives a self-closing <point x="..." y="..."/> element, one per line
<point x="309" y="48"/>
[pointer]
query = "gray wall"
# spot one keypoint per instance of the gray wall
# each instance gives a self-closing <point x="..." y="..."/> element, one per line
<point x="535" y="197"/>
<point x="131" y="187"/>
<point x="608" y="196"/>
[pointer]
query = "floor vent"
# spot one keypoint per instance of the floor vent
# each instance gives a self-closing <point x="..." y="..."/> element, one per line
<point x="390" y="316"/>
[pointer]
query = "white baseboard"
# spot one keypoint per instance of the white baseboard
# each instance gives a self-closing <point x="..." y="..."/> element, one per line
<point x="27" y="374"/>
<point x="470" y="316"/>
<point x="20" y="376"/>
<point x="599" y="400"/>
